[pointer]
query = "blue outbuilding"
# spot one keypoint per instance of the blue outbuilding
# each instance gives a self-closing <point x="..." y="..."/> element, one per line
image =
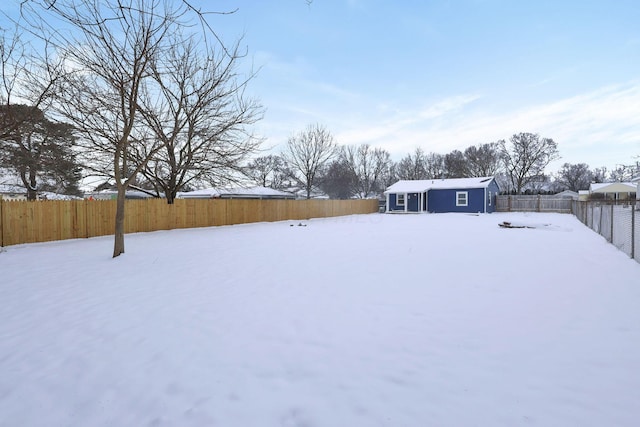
<point x="443" y="195"/>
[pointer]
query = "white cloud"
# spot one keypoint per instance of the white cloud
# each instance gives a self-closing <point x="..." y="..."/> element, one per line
<point x="599" y="128"/>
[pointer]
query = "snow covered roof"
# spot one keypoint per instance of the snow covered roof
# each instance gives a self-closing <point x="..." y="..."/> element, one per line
<point x="12" y="188"/>
<point x="613" y="187"/>
<point x="418" y="186"/>
<point x="252" y="192"/>
<point x="567" y="193"/>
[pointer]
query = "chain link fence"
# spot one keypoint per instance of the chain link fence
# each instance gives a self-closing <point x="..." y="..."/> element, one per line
<point x="618" y="222"/>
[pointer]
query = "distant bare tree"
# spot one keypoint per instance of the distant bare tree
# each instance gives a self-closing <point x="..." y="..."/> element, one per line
<point x="626" y="172"/>
<point x="600" y="174"/>
<point x="456" y="165"/>
<point x="307" y="152"/>
<point x="268" y="171"/>
<point x="484" y="159"/>
<point x="434" y="166"/>
<point x="412" y="166"/>
<point x="575" y="177"/>
<point x="338" y="180"/>
<point x="526" y="157"/>
<point x="369" y="166"/>
<point x="199" y="115"/>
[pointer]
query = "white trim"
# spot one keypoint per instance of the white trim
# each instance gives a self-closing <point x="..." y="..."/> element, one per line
<point x="466" y="198"/>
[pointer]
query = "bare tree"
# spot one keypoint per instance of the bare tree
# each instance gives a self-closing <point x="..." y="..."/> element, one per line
<point x="456" y="165"/>
<point x="575" y="177"/>
<point x="268" y="171"/>
<point x="412" y="166"/>
<point x="434" y="166"/>
<point x="600" y="174"/>
<point x="307" y="152"/>
<point x="200" y="116"/>
<point x="110" y="50"/>
<point x="624" y="172"/>
<point x="526" y="157"/>
<point x="338" y="180"/>
<point x="484" y="159"/>
<point x="27" y="77"/>
<point x="369" y="166"/>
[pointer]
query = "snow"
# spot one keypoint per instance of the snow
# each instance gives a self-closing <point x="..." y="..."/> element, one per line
<point x="366" y="320"/>
<point x="417" y="186"/>
<point x="612" y="187"/>
<point x="248" y="192"/>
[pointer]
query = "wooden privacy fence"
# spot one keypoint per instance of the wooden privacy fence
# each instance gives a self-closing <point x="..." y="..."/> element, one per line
<point x="42" y="221"/>
<point x="537" y="203"/>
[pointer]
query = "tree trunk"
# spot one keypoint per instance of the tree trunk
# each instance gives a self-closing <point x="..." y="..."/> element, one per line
<point x="118" y="244"/>
<point x="32" y="194"/>
<point x="170" y="197"/>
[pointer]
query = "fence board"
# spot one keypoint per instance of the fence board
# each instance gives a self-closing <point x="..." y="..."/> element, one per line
<point x="47" y="220"/>
<point x="536" y="203"/>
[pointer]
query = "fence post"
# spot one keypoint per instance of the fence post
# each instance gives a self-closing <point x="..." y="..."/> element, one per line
<point x="612" y="221"/>
<point x="86" y="217"/>
<point x="1" y="224"/>
<point x="633" y="230"/>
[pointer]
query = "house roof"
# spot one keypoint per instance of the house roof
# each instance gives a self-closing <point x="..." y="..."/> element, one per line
<point x="12" y="188"/>
<point x="252" y="192"/>
<point x="418" y="186"/>
<point x="612" y="187"/>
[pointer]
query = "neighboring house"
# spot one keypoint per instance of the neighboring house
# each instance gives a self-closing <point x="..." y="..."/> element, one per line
<point x="567" y="194"/>
<point x="113" y="195"/>
<point x="583" y="195"/>
<point x="612" y="191"/>
<point x="16" y="192"/>
<point x="237" y="193"/>
<point x="636" y="181"/>
<point x="12" y="192"/>
<point x="443" y="195"/>
<point x="301" y="193"/>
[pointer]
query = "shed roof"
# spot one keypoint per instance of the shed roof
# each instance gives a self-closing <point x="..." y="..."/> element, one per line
<point x="567" y="193"/>
<point x="418" y="186"/>
<point x="613" y="187"/>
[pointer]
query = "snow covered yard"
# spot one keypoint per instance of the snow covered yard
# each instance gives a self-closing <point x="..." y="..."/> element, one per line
<point x="368" y="320"/>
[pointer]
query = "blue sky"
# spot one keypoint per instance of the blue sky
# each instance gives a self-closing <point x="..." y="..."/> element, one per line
<point x="444" y="75"/>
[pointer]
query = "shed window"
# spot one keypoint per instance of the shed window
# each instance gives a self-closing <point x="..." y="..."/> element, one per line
<point x="489" y="198"/>
<point x="400" y="199"/>
<point x="462" y="198"/>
